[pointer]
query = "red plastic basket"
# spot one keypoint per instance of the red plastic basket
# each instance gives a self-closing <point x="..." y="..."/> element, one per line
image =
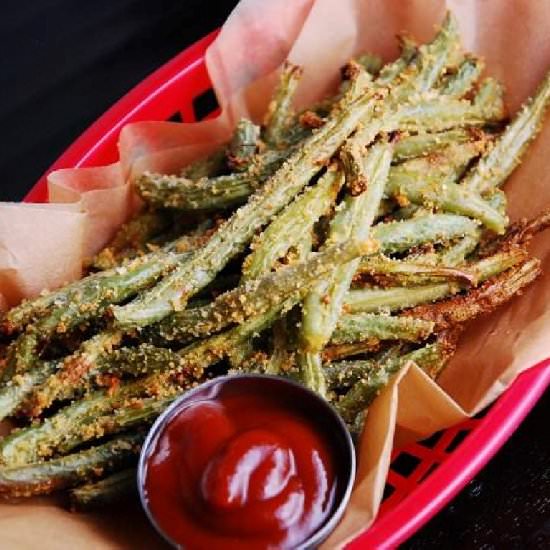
<point x="424" y="476"/>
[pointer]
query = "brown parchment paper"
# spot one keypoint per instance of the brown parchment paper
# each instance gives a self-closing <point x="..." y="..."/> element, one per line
<point x="42" y="246"/>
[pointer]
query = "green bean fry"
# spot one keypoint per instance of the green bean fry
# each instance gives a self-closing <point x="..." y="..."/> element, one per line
<point x="335" y="245"/>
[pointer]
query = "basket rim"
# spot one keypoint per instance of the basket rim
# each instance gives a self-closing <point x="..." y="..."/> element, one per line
<point x="481" y="444"/>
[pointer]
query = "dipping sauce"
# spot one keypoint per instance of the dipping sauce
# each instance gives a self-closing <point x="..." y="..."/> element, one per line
<point x="238" y="467"/>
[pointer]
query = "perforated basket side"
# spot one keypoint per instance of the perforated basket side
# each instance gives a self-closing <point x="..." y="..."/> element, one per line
<point x="448" y="461"/>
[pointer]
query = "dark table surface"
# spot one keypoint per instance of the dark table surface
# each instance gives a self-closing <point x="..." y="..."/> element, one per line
<point x="64" y="62"/>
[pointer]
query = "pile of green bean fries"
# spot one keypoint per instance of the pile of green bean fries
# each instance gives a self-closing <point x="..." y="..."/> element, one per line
<point x="333" y="245"/>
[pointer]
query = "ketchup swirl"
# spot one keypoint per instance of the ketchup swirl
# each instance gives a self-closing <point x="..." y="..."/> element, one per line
<point x="240" y="471"/>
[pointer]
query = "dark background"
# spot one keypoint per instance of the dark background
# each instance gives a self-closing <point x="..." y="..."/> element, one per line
<point x="64" y="62"/>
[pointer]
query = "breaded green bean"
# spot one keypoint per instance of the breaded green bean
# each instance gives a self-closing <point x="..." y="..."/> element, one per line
<point x="73" y="373"/>
<point x="392" y="237"/>
<point x="18" y="317"/>
<point x="257" y="296"/>
<point x="492" y="294"/>
<point x="242" y="147"/>
<point x="335" y="352"/>
<point x="436" y="113"/>
<point x="124" y="417"/>
<point x="450" y="197"/>
<point x="430" y="61"/>
<point x="132" y="238"/>
<point x="412" y="273"/>
<point x="365" y="326"/>
<point x="419" y="145"/>
<point x="391" y="71"/>
<point x="490" y="100"/>
<point x="429" y="112"/>
<point x="518" y="234"/>
<point x="279" y="360"/>
<point x="498" y="200"/>
<point x="450" y="255"/>
<point x="288" y="228"/>
<point x="16" y="390"/>
<point x="493" y="169"/>
<point x="173" y="292"/>
<point x="400" y="236"/>
<point x="279" y="111"/>
<point x="408" y="103"/>
<point x="372" y="63"/>
<point x="132" y="414"/>
<point x="497" y="263"/>
<point x="113" y="488"/>
<point x="42" y="478"/>
<point x="443" y="112"/>
<point x="303" y="248"/>
<point x="355" y="80"/>
<point x="205" y="167"/>
<point x="343" y="374"/>
<point x="203" y="194"/>
<point x="466" y="76"/>
<point x="457" y="253"/>
<point x="221" y="192"/>
<point x="240" y="353"/>
<point x="430" y="181"/>
<point x="91" y="418"/>
<point x="322" y="305"/>
<point x="86" y="301"/>
<point x="149" y="359"/>
<point x="409" y="211"/>
<point x="143" y="359"/>
<point x="310" y="366"/>
<point x="222" y="344"/>
<point x="154" y="264"/>
<point x="364" y="391"/>
<point x="392" y="299"/>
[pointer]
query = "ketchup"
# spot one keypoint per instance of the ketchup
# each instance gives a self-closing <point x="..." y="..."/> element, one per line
<point x="236" y="468"/>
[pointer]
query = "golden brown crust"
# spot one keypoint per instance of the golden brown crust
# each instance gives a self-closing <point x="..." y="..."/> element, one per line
<point x="454" y="311"/>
